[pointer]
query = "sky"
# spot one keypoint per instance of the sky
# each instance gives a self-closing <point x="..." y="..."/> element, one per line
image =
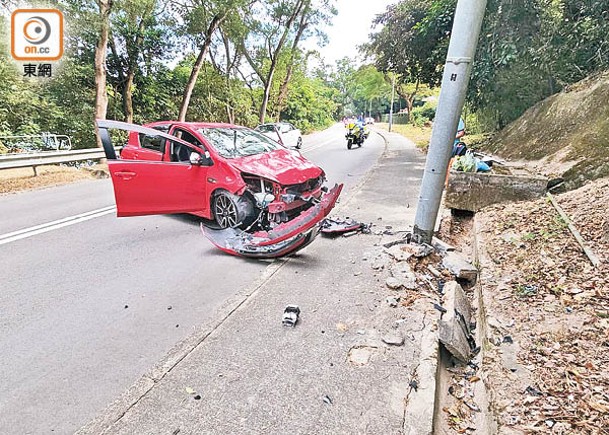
<point x="351" y="28"/>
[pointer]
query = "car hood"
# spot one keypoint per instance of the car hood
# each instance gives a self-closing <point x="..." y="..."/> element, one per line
<point x="283" y="166"/>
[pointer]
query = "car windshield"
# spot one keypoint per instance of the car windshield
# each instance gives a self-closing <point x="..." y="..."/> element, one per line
<point x="231" y="143"/>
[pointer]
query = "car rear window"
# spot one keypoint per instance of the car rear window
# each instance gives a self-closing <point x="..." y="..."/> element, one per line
<point x="238" y="142"/>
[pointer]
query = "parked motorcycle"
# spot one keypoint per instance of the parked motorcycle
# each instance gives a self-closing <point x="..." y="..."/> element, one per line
<point x="356" y="135"/>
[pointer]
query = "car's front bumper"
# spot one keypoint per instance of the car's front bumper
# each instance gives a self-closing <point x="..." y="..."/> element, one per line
<point x="284" y="239"/>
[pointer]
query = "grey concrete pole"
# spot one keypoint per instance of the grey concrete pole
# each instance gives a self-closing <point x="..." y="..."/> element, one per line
<point x="461" y="51"/>
<point x="392" y="98"/>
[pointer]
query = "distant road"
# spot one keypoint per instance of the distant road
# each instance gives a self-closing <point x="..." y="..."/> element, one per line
<point x="89" y="301"/>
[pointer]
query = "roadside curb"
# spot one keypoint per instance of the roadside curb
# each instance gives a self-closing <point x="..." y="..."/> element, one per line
<point x="420" y="402"/>
<point x="485" y="420"/>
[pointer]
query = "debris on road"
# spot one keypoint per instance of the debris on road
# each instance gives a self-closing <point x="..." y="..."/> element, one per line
<point x="360" y="355"/>
<point x="393" y="339"/>
<point x="333" y="227"/>
<point x="290" y="315"/>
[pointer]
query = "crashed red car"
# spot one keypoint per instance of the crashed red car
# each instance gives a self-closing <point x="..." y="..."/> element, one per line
<point x="266" y="200"/>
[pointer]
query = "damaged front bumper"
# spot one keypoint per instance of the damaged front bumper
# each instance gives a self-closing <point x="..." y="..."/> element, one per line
<point x="284" y="239"/>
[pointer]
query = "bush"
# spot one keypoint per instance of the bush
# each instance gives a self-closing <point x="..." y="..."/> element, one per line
<point x="422" y="114"/>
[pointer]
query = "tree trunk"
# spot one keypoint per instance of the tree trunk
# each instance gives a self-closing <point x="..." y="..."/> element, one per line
<point x="192" y="80"/>
<point x="128" y="97"/>
<point x="101" y="96"/>
<point x="283" y="89"/>
<point x="267" y="92"/>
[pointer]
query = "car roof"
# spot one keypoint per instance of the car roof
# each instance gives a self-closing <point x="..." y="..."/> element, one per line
<point x="194" y="125"/>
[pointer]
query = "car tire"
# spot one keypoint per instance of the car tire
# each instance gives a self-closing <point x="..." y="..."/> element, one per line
<point x="349" y="144"/>
<point x="232" y="211"/>
<point x="299" y="143"/>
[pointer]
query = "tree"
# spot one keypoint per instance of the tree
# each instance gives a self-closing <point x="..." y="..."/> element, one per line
<point x="203" y="19"/>
<point x="101" y="97"/>
<point x="137" y="36"/>
<point x="409" y="47"/>
<point x="312" y="18"/>
<point x="268" y="27"/>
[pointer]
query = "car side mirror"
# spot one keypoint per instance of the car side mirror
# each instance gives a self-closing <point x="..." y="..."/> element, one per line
<point x="195" y="159"/>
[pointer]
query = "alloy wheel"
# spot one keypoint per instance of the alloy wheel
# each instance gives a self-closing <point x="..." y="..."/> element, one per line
<point x="225" y="211"/>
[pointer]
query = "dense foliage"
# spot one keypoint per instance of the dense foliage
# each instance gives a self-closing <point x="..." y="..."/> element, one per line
<point x="242" y="61"/>
<point x="156" y="49"/>
<point x="528" y="49"/>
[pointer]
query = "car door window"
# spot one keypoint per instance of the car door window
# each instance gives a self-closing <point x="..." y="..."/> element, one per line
<point x="181" y="152"/>
<point x="154" y="143"/>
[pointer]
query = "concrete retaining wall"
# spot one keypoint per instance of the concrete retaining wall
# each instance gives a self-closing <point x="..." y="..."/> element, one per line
<point x="474" y="191"/>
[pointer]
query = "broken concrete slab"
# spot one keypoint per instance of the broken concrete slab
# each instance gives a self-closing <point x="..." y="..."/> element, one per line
<point x="474" y="191"/>
<point x="454" y="332"/>
<point x="397" y="253"/>
<point x="360" y="355"/>
<point x="441" y="246"/>
<point x="393" y="283"/>
<point x="459" y="266"/>
<point x="404" y="274"/>
<point x="418" y="250"/>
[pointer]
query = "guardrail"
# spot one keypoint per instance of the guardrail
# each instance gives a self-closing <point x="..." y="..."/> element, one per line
<point x="32" y="160"/>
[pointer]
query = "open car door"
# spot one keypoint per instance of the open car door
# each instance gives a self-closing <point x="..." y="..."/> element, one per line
<point x="144" y="187"/>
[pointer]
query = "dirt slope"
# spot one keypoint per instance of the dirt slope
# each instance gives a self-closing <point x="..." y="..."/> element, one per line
<point x="565" y="135"/>
<point x="547" y="309"/>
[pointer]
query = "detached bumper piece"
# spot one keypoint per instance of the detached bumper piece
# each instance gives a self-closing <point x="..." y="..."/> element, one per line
<point x="338" y="227"/>
<point x="285" y="239"/>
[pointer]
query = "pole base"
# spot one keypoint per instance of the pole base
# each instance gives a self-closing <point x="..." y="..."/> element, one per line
<point x="422" y="236"/>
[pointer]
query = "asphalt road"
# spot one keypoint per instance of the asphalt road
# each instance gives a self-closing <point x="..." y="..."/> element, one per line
<point x="89" y="303"/>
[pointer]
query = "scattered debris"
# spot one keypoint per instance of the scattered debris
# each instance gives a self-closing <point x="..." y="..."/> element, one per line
<point x="336" y="227"/>
<point x="393" y="301"/>
<point x="290" y="315"/>
<point x="397" y="253"/>
<point x="327" y="399"/>
<point x="403" y="272"/>
<point x="393" y="283"/>
<point x="455" y="333"/>
<point x="393" y="339"/>
<point x="458" y="265"/>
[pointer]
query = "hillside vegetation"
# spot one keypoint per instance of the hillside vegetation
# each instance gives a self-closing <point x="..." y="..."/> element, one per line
<point x="566" y="135"/>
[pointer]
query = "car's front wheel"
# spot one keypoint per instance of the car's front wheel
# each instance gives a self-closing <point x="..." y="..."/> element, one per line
<point x="232" y="211"/>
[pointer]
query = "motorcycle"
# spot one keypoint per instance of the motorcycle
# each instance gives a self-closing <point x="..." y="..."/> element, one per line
<point x="356" y="135"/>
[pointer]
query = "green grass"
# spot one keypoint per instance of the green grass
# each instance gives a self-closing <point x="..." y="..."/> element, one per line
<point x="419" y="135"/>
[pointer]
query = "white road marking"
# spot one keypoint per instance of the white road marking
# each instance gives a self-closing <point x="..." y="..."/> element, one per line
<point x="317" y="146"/>
<point x="54" y="225"/>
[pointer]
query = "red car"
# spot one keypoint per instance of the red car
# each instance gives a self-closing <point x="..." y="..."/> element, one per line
<point x="265" y="196"/>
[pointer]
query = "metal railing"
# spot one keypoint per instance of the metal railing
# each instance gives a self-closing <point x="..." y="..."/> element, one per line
<point x="32" y="160"/>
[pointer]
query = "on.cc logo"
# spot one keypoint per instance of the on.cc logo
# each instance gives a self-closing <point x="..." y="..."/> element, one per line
<point x="37" y="30"/>
<point x="37" y="35"/>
